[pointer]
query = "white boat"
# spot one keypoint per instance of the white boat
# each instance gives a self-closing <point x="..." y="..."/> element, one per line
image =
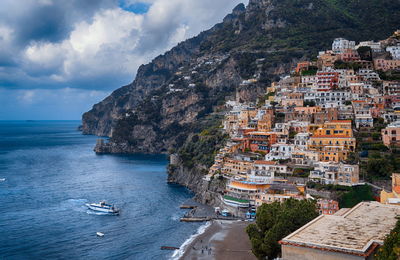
<point x="103" y="207"/>
<point x="99" y="234"/>
<point x="2" y="179"/>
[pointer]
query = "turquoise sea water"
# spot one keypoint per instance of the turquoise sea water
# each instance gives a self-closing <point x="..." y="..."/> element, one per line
<point x="51" y="171"/>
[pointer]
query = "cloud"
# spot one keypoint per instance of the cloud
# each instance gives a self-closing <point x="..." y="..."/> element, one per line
<point x="91" y="45"/>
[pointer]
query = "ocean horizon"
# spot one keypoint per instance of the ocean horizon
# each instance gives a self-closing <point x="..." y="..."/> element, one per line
<point x="50" y="172"/>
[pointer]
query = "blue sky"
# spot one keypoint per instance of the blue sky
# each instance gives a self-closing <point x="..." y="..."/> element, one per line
<point x="58" y="58"/>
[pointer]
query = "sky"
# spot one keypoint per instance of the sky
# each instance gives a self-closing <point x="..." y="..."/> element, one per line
<point x="58" y="58"/>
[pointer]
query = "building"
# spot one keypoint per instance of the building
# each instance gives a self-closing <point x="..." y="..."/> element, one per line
<point x="333" y="140"/>
<point x="280" y="152"/>
<point x="340" y="45"/>
<point x="259" y="141"/>
<point x="385" y="65"/>
<point x="327" y="207"/>
<point x="329" y="172"/>
<point x="349" y="55"/>
<point x="326" y="60"/>
<point x="327" y="80"/>
<point x="267" y="169"/>
<point x="354" y="234"/>
<point x="394" y="196"/>
<point x="391" y="134"/>
<point x="280" y="192"/>
<point x="394" y="51"/>
<point x="246" y="190"/>
<point x="375" y="46"/>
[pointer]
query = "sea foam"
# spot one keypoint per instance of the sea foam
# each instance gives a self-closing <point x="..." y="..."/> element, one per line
<point x="179" y="253"/>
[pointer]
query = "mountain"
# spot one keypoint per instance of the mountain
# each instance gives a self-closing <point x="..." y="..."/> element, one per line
<point x="174" y="96"/>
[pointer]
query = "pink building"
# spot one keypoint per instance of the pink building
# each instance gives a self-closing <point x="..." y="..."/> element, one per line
<point x="349" y="55"/>
<point x="384" y="65"/>
<point x="391" y="134"/>
<point x="327" y="207"/>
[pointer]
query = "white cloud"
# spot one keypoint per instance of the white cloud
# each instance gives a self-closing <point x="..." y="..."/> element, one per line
<point x="115" y="42"/>
<point x="97" y="46"/>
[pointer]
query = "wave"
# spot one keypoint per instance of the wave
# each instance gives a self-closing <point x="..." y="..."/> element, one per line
<point x="179" y="252"/>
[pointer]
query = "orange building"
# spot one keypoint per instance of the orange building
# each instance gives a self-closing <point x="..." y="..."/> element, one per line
<point x="304" y="65"/>
<point x="259" y="141"/>
<point x="394" y="196"/>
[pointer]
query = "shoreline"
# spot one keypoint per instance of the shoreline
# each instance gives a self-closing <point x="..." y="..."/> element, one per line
<point x="222" y="240"/>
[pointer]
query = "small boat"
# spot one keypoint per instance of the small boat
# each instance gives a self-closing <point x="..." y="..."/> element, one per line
<point x="99" y="234"/>
<point x="103" y="207"/>
<point x="2" y="179"/>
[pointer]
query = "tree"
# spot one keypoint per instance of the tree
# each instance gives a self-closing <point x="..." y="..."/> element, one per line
<point x="355" y="196"/>
<point x="275" y="221"/>
<point x="391" y="246"/>
<point x="365" y="53"/>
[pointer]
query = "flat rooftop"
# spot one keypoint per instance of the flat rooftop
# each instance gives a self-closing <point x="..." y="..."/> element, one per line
<point x="352" y="232"/>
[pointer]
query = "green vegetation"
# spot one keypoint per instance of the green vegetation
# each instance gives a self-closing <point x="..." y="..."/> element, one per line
<point x="309" y="103"/>
<point x="382" y="166"/>
<point x="275" y="221"/>
<point x="310" y="72"/>
<point x="389" y="75"/>
<point x="348" y="196"/>
<point x="365" y="53"/>
<point x="391" y="246"/>
<point x="201" y="148"/>
<point x="356" y="195"/>
<point x="339" y="64"/>
<point x="301" y="172"/>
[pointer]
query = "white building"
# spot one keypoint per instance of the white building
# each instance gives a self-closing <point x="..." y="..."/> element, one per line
<point x="335" y="173"/>
<point x="301" y="140"/>
<point x="394" y="51"/>
<point x="375" y="46"/>
<point x="339" y="45"/>
<point x="280" y="152"/>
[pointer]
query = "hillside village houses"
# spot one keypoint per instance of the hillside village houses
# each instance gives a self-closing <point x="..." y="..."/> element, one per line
<point x="304" y="131"/>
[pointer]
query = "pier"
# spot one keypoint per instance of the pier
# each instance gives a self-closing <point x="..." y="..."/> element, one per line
<point x="200" y="213"/>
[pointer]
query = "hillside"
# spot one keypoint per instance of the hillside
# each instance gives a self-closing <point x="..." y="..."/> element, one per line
<point x="172" y="96"/>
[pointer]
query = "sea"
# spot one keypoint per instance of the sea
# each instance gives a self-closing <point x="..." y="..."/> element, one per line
<point x="48" y="172"/>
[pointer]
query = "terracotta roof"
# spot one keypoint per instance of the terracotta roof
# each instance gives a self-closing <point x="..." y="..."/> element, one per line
<point x="265" y="162"/>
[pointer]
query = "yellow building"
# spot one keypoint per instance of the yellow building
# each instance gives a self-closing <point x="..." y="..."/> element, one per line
<point x="236" y="167"/>
<point x="245" y="116"/>
<point x="394" y="196"/>
<point x="333" y="154"/>
<point x="336" y="128"/>
<point x="333" y="141"/>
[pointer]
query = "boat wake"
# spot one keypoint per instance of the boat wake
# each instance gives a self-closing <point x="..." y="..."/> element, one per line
<point x="75" y="205"/>
<point x="179" y="253"/>
<point x="92" y="212"/>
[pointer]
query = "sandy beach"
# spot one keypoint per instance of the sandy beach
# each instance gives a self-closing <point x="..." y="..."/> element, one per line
<point x="223" y="240"/>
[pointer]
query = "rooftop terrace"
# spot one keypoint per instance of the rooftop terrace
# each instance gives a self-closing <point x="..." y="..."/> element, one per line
<point x="354" y="232"/>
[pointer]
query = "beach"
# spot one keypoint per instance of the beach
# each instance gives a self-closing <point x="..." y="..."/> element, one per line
<point x="222" y="240"/>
